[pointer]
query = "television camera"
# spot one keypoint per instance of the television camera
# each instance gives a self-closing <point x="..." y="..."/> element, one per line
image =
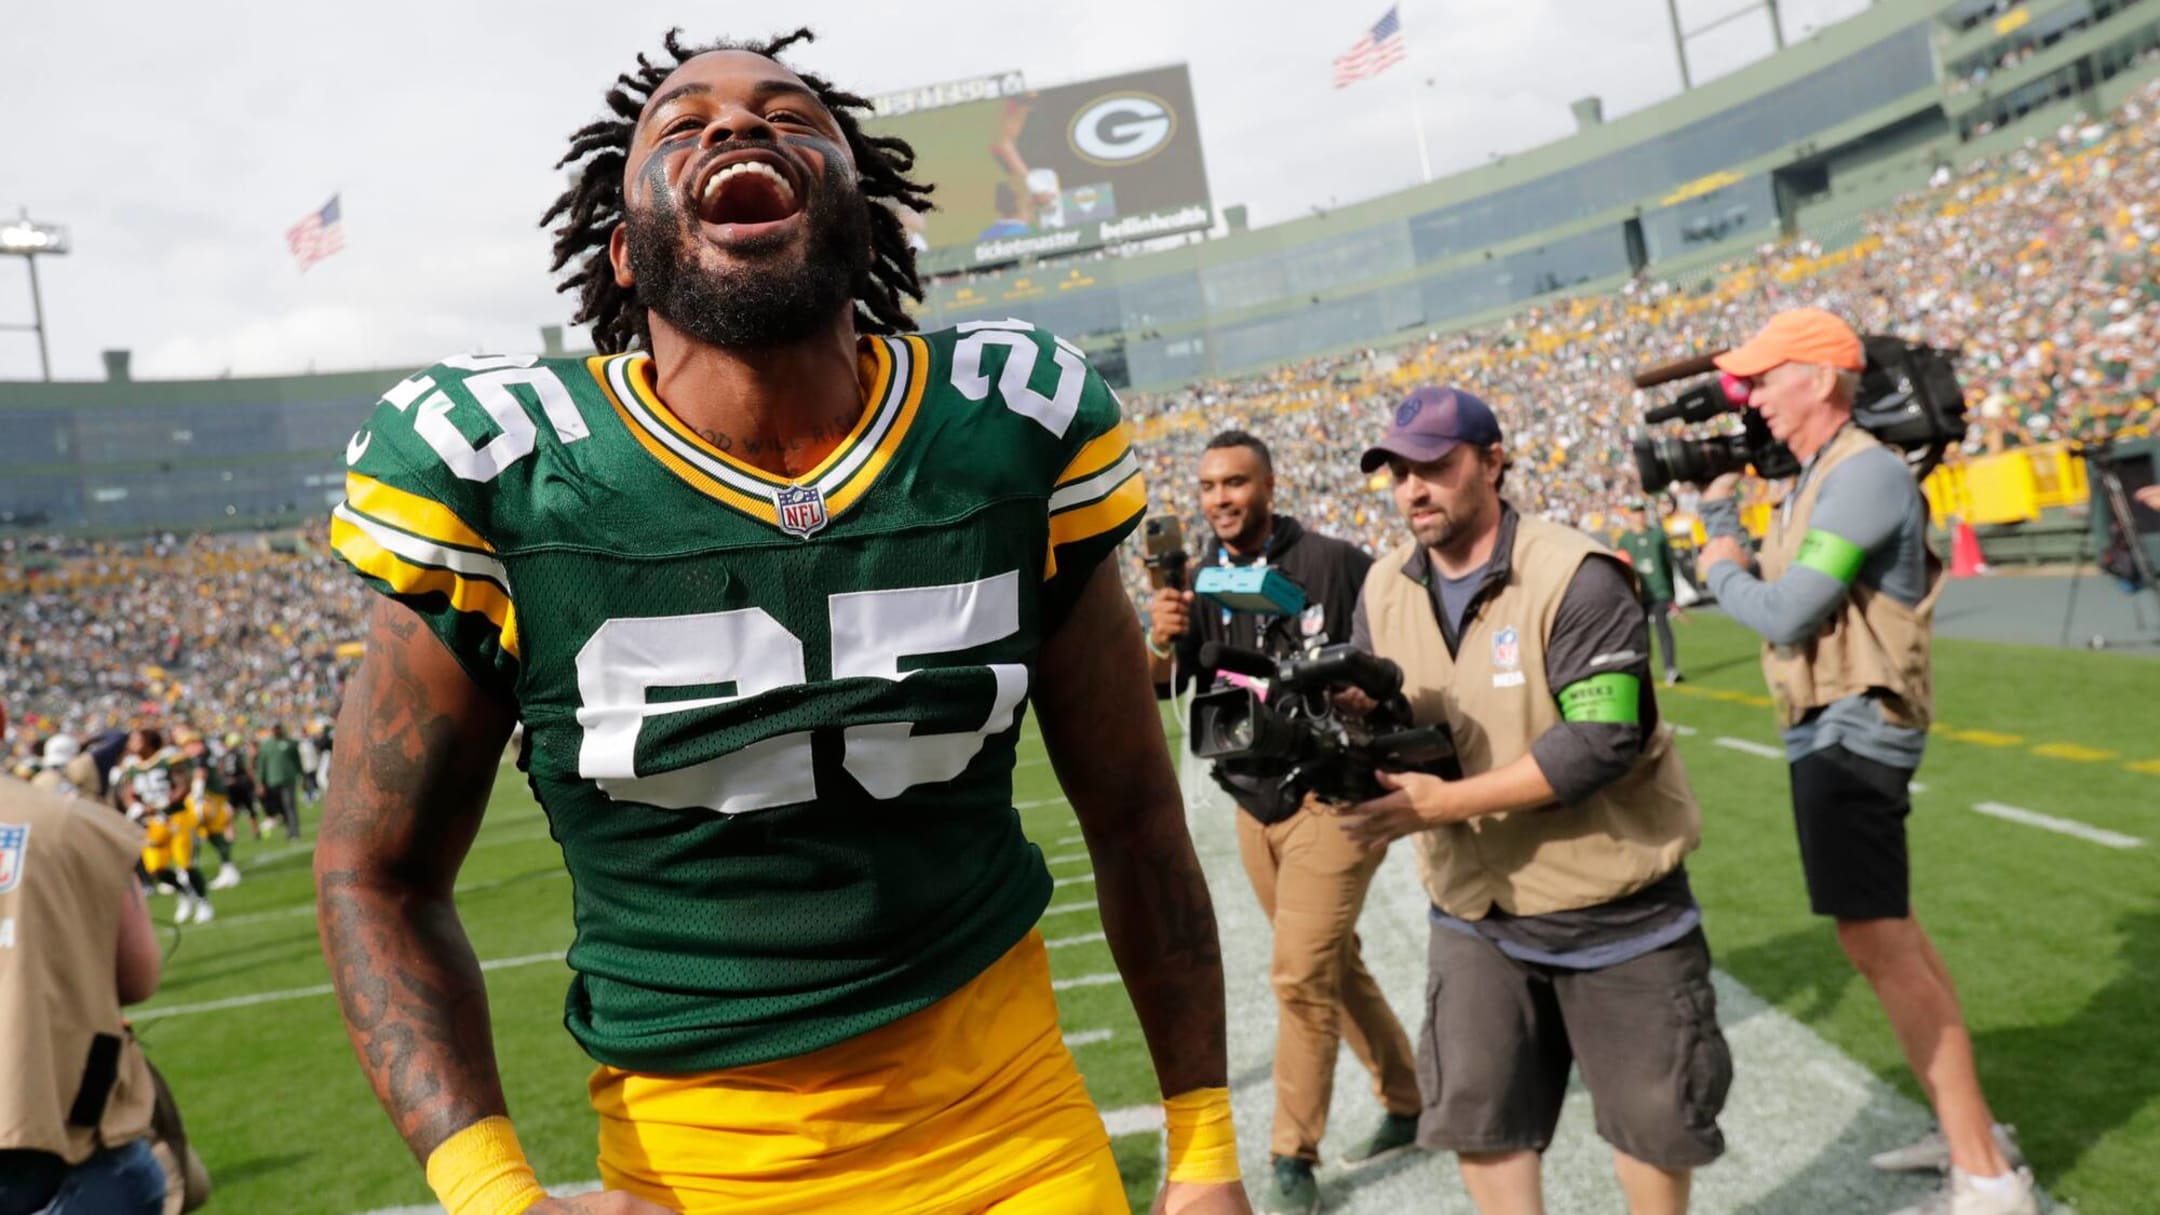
<point x="1279" y="718"/>
<point x="1909" y="398"/>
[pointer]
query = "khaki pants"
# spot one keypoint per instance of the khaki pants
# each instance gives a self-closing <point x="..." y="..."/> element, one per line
<point x="1311" y="880"/>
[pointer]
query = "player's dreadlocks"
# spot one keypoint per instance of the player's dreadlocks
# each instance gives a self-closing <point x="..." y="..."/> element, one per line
<point x="594" y="204"/>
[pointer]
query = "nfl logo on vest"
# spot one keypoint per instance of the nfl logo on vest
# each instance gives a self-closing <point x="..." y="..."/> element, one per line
<point x="14" y="845"/>
<point x="801" y="508"/>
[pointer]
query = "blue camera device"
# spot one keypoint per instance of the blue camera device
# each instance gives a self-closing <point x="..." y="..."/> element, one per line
<point x="1261" y="590"/>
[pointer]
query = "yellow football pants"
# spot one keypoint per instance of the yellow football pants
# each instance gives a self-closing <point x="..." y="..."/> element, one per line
<point x="969" y="1106"/>
<point x="169" y="841"/>
<point x="214" y="812"/>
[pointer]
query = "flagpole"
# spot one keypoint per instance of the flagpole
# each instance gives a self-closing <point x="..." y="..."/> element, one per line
<point x="1417" y="120"/>
<point x="1417" y="108"/>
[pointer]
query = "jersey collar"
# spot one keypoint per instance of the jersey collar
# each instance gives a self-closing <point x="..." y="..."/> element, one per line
<point x="894" y="371"/>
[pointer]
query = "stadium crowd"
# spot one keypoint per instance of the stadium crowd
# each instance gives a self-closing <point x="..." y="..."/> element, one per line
<point x="2038" y="266"/>
<point x="229" y="638"/>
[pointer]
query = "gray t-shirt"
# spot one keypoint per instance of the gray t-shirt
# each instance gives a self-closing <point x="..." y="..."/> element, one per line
<point x="1871" y="501"/>
<point x="1456" y="593"/>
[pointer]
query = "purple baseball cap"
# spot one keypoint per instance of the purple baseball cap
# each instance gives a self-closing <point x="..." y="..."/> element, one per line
<point x="1431" y="422"/>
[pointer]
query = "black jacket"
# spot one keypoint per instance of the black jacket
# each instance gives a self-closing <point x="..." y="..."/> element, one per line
<point x="1331" y="573"/>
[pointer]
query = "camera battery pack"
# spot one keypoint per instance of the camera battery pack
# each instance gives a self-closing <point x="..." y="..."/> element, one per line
<point x="1260" y="589"/>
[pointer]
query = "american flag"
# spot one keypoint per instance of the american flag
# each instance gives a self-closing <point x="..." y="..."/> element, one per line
<point x="318" y="236"/>
<point x="1381" y="48"/>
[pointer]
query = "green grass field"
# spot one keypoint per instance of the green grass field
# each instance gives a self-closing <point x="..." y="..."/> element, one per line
<point x="2055" y="941"/>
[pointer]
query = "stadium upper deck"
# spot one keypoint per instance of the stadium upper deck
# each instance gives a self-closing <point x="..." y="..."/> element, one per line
<point x="1799" y="144"/>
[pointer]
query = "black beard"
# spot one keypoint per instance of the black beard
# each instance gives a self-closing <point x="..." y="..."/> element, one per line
<point x="757" y="306"/>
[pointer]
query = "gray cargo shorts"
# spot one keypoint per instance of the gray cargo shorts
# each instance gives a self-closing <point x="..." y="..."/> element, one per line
<point x="1501" y="1034"/>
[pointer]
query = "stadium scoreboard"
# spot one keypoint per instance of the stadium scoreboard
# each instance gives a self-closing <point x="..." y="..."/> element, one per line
<point x="1024" y="172"/>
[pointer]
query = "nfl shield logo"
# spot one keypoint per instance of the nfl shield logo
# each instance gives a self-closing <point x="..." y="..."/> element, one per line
<point x="14" y="842"/>
<point x="801" y="508"/>
<point x="1313" y="620"/>
<point x="1506" y="648"/>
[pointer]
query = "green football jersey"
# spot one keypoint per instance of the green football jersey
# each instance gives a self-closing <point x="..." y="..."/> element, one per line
<point x="772" y="721"/>
<point x="1651" y="553"/>
<point x="160" y="781"/>
<point x="213" y="779"/>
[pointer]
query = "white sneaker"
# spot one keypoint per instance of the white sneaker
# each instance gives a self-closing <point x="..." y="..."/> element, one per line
<point x="1963" y="1196"/>
<point x="1931" y="1153"/>
<point x="227" y="878"/>
<point x="185" y="910"/>
<point x="204" y="912"/>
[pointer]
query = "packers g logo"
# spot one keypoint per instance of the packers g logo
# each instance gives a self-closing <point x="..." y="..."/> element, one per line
<point x="1122" y="128"/>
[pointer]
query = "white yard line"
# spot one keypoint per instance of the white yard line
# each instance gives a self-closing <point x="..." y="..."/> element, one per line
<point x="308" y="909"/>
<point x="301" y="993"/>
<point x="2060" y="826"/>
<point x="1133" y="1120"/>
<point x="1083" y="879"/>
<point x="1101" y="980"/>
<point x="1085" y="938"/>
<point x="1088" y="1037"/>
<point x="1066" y="858"/>
<point x="1683" y="731"/>
<point x="1039" y="803"/>
<point x="1751" y="748"/>
<point x="1064" y="909"/>
<point x="1067" y="841"/>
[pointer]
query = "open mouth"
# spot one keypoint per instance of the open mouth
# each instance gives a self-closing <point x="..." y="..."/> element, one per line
<point x="749" y="191"/>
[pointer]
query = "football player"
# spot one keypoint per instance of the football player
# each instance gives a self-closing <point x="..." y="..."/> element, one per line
<point x="239" y="773"/>
<point x="210" y="799"/>
<point x="153" y="780"/>
<point x="770" y="584"/>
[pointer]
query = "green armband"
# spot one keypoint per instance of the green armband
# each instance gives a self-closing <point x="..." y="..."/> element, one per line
<point x="1612" y="698"/>
<point x="1832" y="554"/>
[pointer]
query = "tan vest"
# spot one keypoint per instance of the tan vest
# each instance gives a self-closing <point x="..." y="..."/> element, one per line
<point x="76" y="1081"/>
<point x="1494" y="697"/>
<point x="80" y="772"/>
<point x="1871" y="643"/>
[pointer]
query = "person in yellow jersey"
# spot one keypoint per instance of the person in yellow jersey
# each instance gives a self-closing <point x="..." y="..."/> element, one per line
<point x="153" y="780"/>
<point x="769" y="585"/>
<point x="209" y="798"/>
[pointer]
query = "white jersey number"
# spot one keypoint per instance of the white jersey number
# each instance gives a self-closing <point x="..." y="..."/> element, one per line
<point x="1056" y="411"/>
<point x="490" y="388"/>
<point x="746" y="652"/>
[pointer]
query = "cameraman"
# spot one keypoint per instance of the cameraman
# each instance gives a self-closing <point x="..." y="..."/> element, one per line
<point x="1563" y="929"/>
<point x="1845" y="605"/>
<point x="75" y="944"/>
<point x="1310" y="880"/>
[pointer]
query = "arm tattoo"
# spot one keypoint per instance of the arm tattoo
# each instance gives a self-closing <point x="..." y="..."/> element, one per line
<point x="1098" y="718"/>
<point x="406" y="799"/>
<point x="1161" y="925"/>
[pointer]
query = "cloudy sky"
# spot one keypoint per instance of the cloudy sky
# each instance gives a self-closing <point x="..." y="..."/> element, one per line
<point x="179" y="141"/>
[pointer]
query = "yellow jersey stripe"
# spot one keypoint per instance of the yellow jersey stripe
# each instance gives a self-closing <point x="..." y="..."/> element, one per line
<point x="641" y="382"/>
<point x="1121" y="505"/>
<point x="474" y="596"/>
<point x="889" y="416"/>
<point x="866" y="476"/>
<point x="1100" y="453"/>
<point x="411" y="512"/>
<point x="691" y="476"/>
<point x="1076" y="494"/>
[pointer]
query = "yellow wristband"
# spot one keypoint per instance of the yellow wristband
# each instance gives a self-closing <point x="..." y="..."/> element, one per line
<point x="481" y="1170"/>
<point x="1203" y="1144"/>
